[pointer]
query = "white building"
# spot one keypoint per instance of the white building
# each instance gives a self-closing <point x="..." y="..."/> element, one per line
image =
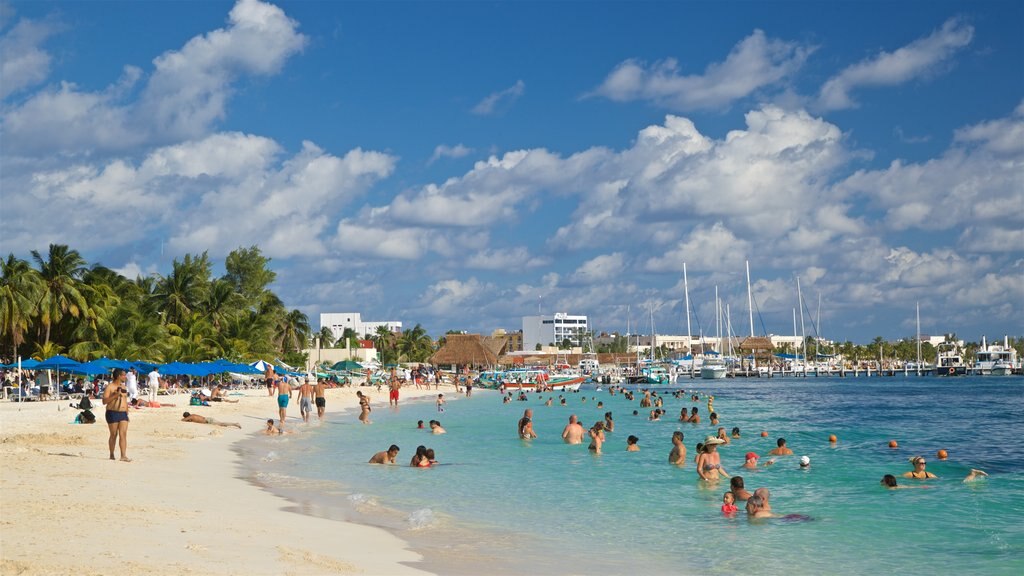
<point x="339" y="321"/>
<point x="546" y="330"/>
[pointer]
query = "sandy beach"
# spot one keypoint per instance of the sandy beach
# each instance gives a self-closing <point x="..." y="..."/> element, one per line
<point x="179" y="507"/>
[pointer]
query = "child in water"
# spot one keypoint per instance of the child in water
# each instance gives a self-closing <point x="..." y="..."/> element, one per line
<point x="729" y="504"/>
<point x="440" y="402"/>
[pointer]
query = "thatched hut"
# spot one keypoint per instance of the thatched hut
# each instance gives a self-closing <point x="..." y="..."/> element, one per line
<point x="759" y="347"/>
<point x="465" y="350"/>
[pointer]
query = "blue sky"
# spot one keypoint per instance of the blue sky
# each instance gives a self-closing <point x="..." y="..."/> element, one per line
<point x="463" y="164"/>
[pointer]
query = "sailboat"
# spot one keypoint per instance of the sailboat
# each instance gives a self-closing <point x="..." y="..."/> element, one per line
<point x="713" y="367"/>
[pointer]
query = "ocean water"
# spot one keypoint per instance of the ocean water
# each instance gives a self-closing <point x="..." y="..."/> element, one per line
<point x="501" y="505"/>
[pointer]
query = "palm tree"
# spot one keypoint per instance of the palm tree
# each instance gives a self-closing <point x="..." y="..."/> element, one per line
<point x="222" y="302"/>
<point x="384" y="340"/>
<point x="61" y="272"/>
<point x="182" y="291"/>
<point x="415" y="345"/>
<point x="20" y="290"/>
<point x="326" y="337"/>
<point x="293" y="332"/>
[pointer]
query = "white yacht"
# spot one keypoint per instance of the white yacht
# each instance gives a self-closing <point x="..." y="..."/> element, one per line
<point x="712" y="368"/>
<point x="995" y="360"/>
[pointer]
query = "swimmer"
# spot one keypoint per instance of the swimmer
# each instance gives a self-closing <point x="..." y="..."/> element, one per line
<point x="694" y="417"/>
<point x="723" y="436"/>
<point x="805" y="462"/>
<point x="596" y="437"/>
<point x="781" y="449"/>
<point x="271" y="429"/>
<point x="364" y="407"/>
<point x="737" y="489"/>
<point x="435" y="427"/>
<point x="684" y="416"/>
<point x="709" y="463"/>
<point x="387" y="457"/>
<point x="764" y="495"/>
<point x="573" y="431"/>
<point x="655" y="416"/>
<point x="751" y="461"/>
<point x="631" y="444"/>
<point x="729" y="504"/>
<point x="418" y="456"/>
<point x="440" y="402"/>
<point x="714" y="418"/>
<point x="677" y="455"/>
<point x="736" y="432"/>
<point x="919" y="473"/>
<point x="419" y="424"/>
<point x="609" y="424"/>
<point x="756" y="508"/>
<point x="526" y="425"/>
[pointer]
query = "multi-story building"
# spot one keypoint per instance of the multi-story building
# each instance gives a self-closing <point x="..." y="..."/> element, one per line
<point x="554" y="329"/>
<point x="339" y="321"/>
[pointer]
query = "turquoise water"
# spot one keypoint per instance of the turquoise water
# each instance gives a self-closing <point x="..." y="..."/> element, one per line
<point x="509" y="506"/>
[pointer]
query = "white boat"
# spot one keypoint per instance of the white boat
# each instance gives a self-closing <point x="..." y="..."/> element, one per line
<point x="995" y="359"/>
<point x="949" y="362"/>
<point x="712" y="369"/>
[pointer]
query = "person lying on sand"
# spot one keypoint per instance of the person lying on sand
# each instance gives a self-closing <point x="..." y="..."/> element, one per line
<point x="186" y="417"/>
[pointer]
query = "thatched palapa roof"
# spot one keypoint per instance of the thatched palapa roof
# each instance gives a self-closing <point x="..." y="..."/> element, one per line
<point x="757" y="343"/>
<point x="465" y="349"/>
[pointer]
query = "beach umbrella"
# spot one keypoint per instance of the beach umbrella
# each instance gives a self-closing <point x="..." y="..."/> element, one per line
<point x="347" y="365"/>
<point x="110" y="363"/>
<point x="58" y="363"/>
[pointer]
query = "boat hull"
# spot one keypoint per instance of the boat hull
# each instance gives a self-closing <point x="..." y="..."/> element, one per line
<point x="712" y="372"/>
<point x="556" y="385"/>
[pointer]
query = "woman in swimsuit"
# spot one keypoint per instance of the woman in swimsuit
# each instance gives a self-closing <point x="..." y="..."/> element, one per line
<point x="709" y="463"/>
<point x="364" y="406"/>
<point x="596" y="437"/>
<point x="919" y="473"/>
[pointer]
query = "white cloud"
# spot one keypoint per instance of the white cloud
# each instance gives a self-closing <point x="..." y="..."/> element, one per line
<point x="915" y="60"/>
<point x="449" y="298"/>
<point x="445" y="151"/>
<point x="755" y="63"/>
<point x="24" y="63"/>
<point x="600" y="269"/>
<point x="502" y="99"/>
<point x="182" y="99"/>
<point x="515" y="258"/>
<point x="215" y="194"/>
<point x="977" y="181"/>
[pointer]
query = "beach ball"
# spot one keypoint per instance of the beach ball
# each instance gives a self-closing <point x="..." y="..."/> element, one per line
<point x="942" y="454"/>
<point x="893" y="444"/>
<point x="764" y="434"/>
<point x="832" y="438"/>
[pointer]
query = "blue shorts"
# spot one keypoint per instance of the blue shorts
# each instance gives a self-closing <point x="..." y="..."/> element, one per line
<point x="113" y="417"/>
<point x="282" y="400"/>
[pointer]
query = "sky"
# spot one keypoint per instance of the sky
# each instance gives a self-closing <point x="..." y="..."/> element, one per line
<point x="464" y="164"/>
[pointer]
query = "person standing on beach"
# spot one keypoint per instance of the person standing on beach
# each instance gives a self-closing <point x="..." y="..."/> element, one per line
<point x="132" y="384"/>
<point x="306" y="400"/>
<point x="153" y="383"/>
<point x="393" y="386"/>
<point x="526" y="425"/>
<point x="573" y="431"/>
<point x="284" y="394"/>
<point x="320" y="399"/>
<point x="115" y="399"/>
<point x="270" y="379"/>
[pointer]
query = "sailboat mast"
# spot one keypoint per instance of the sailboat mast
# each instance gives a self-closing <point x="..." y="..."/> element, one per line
<point x="750" y="301"/>
<point x="803" y="334"/>
<point x="918" y="338"/>
<point x="718" y="320"/>
<point x="689" y="334"/>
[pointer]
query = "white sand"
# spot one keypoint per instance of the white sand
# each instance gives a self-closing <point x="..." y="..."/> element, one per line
<point x="177" y="508"/>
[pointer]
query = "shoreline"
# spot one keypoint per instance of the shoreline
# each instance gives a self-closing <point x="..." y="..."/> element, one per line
<point x="181" y="506"/>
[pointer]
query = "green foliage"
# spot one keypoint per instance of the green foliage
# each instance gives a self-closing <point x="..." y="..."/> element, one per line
<point x="61" y="305"/>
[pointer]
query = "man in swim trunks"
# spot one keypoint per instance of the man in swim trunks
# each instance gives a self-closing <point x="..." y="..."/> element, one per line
<point x="321" y="401"/>
<point x="526" y="425"/>
<point x="115" y="399"/>
<point x="284" y="394"/>
<point x="385" y="457"/>
<point x="573" y="431"/>
<point x="306" y="400"/>
<point x="186" y="417"/>
<point x="781" y="450"/>
<point x="678" y="454"/>
<point x="393" y="385"/>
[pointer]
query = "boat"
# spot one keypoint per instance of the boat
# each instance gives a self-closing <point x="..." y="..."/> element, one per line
<point x="995" y="359"/>
<point x="533" y="380"/>
<point x="713" y="368"/>
<point x="949" y="361"/>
